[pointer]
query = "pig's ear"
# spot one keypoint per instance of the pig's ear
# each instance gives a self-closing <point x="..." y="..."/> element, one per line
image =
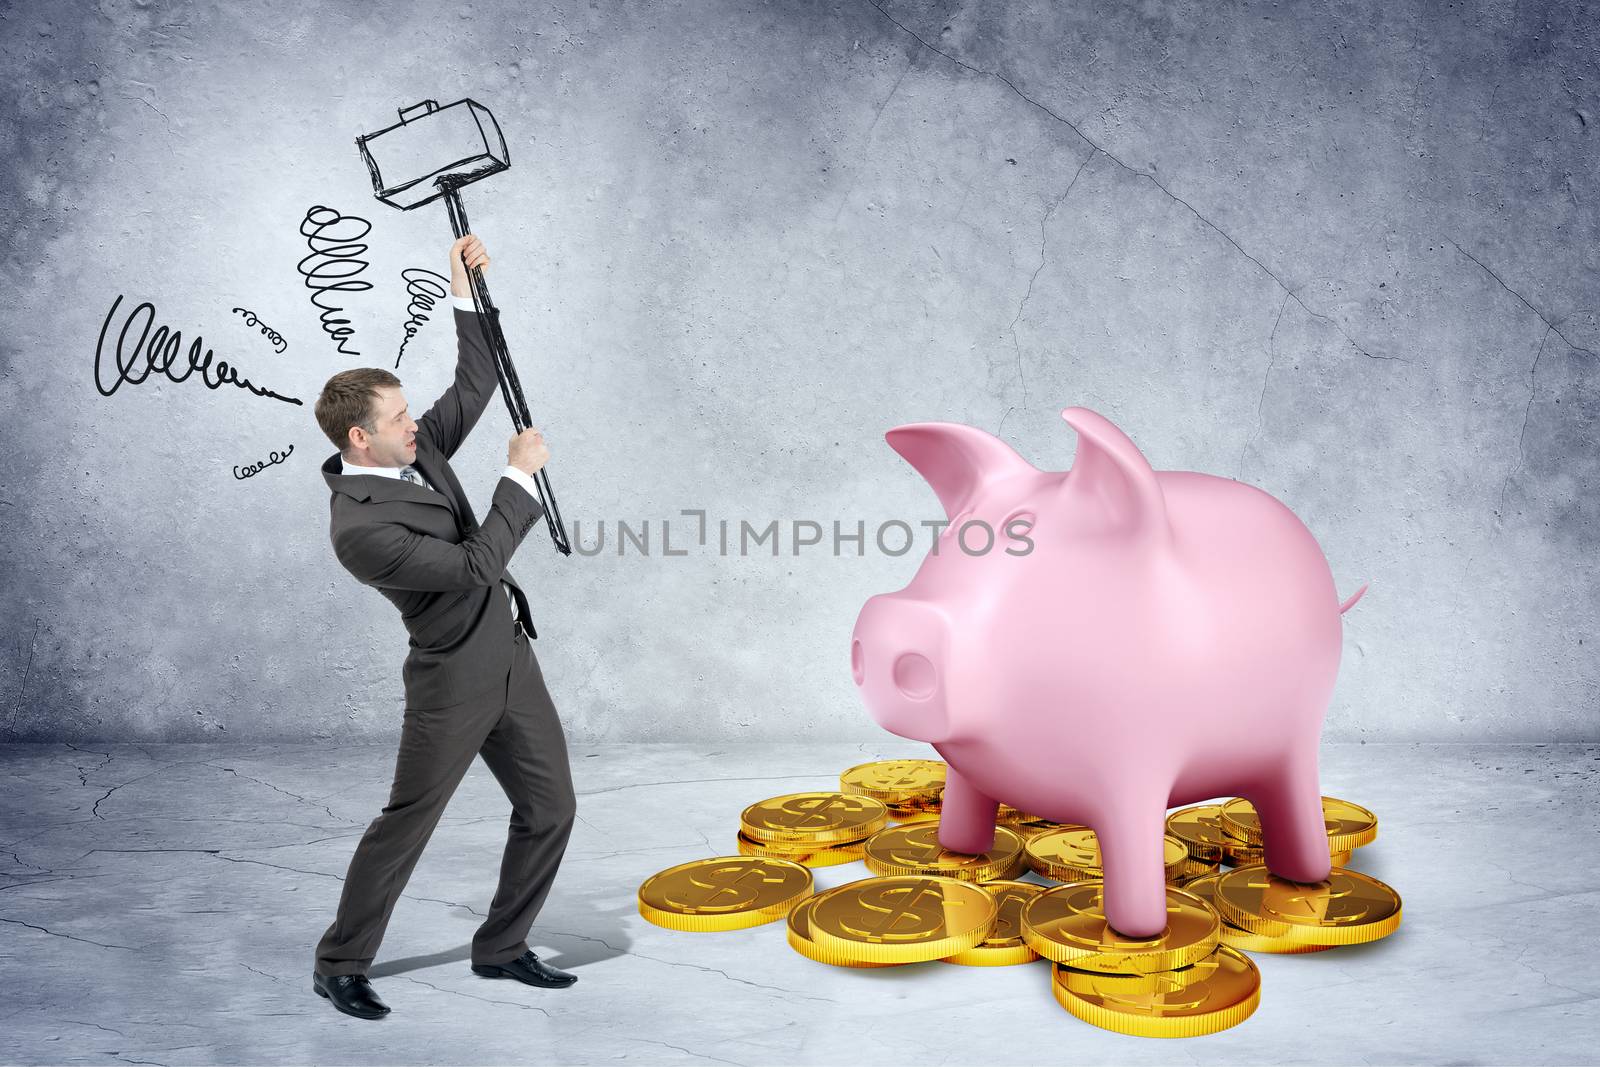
<point x="955" y="459"/>
<point x="1111" y="486"/>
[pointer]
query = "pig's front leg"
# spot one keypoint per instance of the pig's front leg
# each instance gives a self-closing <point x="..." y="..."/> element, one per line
<point x="1293" y="832"/>
<point x="1132" y="855"/>
<point x="966" y="816"/>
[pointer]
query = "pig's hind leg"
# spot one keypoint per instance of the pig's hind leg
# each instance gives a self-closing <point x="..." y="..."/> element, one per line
<point x="1294" y="835"/>
<point x="966" y="816"/>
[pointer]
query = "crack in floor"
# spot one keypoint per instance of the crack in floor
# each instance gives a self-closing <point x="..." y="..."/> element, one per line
<point x="682" y="963"/>
<point x="470" y="996"/>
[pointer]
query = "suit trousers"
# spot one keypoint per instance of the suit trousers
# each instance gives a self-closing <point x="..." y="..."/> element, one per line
<point x="515" y="729"/>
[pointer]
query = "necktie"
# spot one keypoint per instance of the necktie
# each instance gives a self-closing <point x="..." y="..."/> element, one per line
<point x="410" y="475"/>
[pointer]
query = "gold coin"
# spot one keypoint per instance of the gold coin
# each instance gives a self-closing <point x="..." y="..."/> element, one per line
<point x="809" y="855"/>
<point x="1219" y="991"/>
<point x="1004" y="945"/>
<point x="1068" y="924"/>
<point x="896" y="781"/>
<point x="723" y="892"/>
<point x="1008" y="814"/>
<point x="1238" y="854"/>
<point x="1067" y="854"/>
<point x="1072" y="854"/>
<point x="1205" y="887"/>
<point x="813" y="818"/>
<point x="1191" y="870"/>
<point x="915" y="849"/>
<point x="902" y="919"/>
<point x="1349" y="825"/>
<point x="1346" y="908"/>
<point x="914" y="812"/>
<point x="800" y="937"/>
<point x="1200" y="828"/>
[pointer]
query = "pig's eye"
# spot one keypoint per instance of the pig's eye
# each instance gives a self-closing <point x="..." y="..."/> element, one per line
<point x="1024" y="520"/>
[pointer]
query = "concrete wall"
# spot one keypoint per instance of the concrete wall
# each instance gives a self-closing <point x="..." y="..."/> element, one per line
<point x="1346" y="253"/>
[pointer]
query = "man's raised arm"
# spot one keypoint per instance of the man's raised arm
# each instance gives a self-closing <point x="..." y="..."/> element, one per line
<point x="447" y="423"/>
<point x="392" y="555"/>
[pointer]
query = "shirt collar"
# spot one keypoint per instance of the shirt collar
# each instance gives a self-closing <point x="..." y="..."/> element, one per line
<point x="351" y="468"/>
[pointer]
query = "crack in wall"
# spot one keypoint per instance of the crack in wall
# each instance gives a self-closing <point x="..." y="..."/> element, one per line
<point x="22" y="689"/>
<point x="1138" y="174"/>
<point x="1533" y="391"/>
<point x="1044" y="244"/>
<point x="1521" y="299"/>
<point x="1272" y="358"/>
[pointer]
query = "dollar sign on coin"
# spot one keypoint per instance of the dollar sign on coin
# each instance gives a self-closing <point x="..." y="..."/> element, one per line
<point x="1347" y="908"/>
<point x="723" y="892"/>
<point x="902" y="919"/>
<point x="813" y="818"/>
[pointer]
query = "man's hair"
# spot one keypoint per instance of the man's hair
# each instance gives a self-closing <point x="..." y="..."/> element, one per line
<point x="348" y="400"/>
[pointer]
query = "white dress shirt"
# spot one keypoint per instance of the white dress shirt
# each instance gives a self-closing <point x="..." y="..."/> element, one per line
<point x="518" y="476"/>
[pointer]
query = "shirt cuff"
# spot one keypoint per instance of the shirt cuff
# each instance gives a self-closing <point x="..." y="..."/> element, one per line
<point x="522" y="479"/>
<point x="464" y="303"/>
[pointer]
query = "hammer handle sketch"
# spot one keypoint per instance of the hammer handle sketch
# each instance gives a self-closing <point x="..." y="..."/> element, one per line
<point x="510" y="386"/>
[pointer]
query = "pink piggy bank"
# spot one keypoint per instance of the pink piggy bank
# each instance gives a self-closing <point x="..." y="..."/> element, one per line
<point x="1131" y="640"/>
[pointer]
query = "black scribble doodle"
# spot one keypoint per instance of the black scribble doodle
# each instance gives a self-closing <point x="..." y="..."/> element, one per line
<point x="278" y="343"/>
<point x="333" y="265"/>
<point x="426" y="288"/>
<point x="161" y="355"/>
<point x="256" y="468"/>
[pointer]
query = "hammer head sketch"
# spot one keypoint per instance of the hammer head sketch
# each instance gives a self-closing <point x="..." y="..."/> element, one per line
<point x="433" y="149"/>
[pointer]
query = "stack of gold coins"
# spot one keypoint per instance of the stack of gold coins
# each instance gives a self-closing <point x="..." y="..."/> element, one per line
<point x="1349" y="827"/>
<point x="1199" y="827"/>
<point x="1072" y="854"/>
<point x="929" y="903"/>
<point x="1182" y="983"/>
<point x="914" y="849"/>
<point x="1003" y="945"/>
<point x="910" y="788"/>
<point x="813" y="829"/>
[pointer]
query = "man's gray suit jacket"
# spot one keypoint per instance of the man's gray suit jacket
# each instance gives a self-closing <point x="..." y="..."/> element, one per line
<point x="425" y="550"/>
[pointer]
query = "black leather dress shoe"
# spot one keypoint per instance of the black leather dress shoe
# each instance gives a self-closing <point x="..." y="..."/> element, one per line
<point x="527" y="968"/>
<point x="351" y="994"/>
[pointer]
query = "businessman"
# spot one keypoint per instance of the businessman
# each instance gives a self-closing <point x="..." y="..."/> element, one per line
<point x="401" y="524"/>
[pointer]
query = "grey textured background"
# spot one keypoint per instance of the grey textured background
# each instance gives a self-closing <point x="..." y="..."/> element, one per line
<point x="1344" y="252"/>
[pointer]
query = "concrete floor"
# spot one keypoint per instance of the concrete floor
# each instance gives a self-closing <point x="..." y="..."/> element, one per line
<point x="161" y="903"/>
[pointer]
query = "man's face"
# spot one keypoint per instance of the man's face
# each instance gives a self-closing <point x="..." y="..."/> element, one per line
<point x="394" y="440"/>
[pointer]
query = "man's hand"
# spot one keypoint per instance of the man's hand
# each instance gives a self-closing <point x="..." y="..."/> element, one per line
<point x="527" y="451"/>
<point x="472" y="248"/>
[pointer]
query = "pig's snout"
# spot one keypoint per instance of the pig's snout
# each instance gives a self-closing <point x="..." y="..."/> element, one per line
<point x="896" y="655"/>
